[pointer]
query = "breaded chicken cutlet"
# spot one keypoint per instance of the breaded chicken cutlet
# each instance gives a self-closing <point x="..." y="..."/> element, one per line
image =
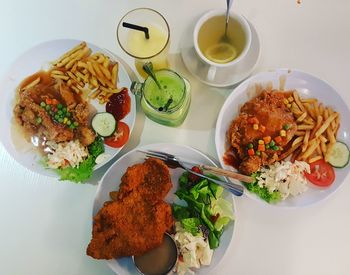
<point x="137" y="218"/>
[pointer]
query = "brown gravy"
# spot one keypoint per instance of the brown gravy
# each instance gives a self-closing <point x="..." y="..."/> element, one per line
<point x="46" y="88"/>
<point x="159" y="260"/>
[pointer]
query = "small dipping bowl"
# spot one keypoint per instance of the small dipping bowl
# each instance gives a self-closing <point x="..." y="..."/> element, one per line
<point x="158" y="261"/>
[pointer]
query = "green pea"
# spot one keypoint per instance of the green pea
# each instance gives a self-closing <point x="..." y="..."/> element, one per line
<point x="48" y="107"/>
<point x="39" y="120"/>
<point x="57" y="117"/>
<point x="286" y="126"/>
<point x="267" y="146"/>
<point x="71" y="126"/>
<point x="76" y="124"/>
<point x="272" y="143"/>
<point x="258" y="153"/>
<point x="275" y="147"/>
<point x="64" y="109"/>
<point x="59" y="106"/>
<point x="59" y="112"/>
<point x="42" y="104"/>
<point x="68" y="122"/>
<point x="60" y="120"/>
<point x="68" y="114"/>
<point x="250" y="146"/>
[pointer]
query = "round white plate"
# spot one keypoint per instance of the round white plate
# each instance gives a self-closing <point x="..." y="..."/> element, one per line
<point x="308" y="86"/>
<point x="111" y="180"/>
<point x="28" y="63"/>
<point x="224" y="76"/>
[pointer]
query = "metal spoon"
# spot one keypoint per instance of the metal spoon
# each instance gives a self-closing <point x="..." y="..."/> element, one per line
<point x="148" y="68"/>
<point x="225" y="38"/>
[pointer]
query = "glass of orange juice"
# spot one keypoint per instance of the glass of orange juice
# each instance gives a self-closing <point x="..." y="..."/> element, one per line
<point x="144" y="48"/>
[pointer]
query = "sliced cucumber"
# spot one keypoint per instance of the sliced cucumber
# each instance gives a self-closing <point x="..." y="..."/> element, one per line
<point x="339" y="155"/>
<point x="104" y="124"/>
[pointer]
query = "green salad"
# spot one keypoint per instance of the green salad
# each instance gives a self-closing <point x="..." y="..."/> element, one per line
<point x="84" y="171"/>
<point x="263" y="192"/>
<point x="206" y="212"/>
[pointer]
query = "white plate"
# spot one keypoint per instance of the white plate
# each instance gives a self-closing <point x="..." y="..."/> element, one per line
<point x="111" y="180"/>
<point x="28" y="63"/>
<point x="308" y="86"/>
<point x="225" y="76"/>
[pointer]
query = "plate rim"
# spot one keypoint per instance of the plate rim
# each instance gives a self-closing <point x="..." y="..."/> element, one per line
<point x="245" y="83"/>
<point x="159" y="145"/>
<point x="7" y="76"/>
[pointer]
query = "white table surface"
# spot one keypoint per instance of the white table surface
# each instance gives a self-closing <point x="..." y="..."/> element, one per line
<point x="46" y="224"/>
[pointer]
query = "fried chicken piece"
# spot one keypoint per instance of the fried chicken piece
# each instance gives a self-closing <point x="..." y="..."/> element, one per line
<point x="27" y="111"/>
<point x="272" y="113"/>
<point x="137" y="219"/>
<point x="250" y="165"/>
<point x="85" y="135"/>
<point x="150" y="178"/>
<point x="127" y="227"/>
<point x="67" y="96"/>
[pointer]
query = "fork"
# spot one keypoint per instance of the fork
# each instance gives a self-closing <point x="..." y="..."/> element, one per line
<point x="173" y="162"/>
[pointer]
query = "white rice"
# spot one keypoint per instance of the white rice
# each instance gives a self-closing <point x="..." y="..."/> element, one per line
<point x="286" y="177"/>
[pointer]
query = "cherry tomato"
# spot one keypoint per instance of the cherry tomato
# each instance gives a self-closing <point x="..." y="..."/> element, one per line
<point x="322" y="173"/>
<point x="120" y="136"/>
<point x="194" y="178"/>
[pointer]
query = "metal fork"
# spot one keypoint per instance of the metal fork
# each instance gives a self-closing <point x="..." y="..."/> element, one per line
<point x="173" y="162"/>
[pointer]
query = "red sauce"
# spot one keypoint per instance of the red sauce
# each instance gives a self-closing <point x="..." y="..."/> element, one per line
<point x="119" y="104"/>
<point x="230" y="159"/>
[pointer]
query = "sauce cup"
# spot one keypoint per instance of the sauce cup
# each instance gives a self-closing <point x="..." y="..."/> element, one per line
<point x="160" y="260"/>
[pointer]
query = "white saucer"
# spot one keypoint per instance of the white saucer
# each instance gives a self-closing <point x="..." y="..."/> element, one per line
<point x="200" y="69"/>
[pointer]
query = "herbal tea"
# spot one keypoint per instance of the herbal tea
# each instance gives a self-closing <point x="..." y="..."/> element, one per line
<point x="211" y="44"/>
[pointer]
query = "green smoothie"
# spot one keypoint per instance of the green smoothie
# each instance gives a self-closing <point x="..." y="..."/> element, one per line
<point x="168" y="104"/>
<point x="171" y="93"/>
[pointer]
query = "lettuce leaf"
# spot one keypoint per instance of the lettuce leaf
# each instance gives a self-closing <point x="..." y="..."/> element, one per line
<point x="191" y="225"/>
<point x="263" y="192"/>
<point x="85" y="169"/>
<point x="78" y="174"/>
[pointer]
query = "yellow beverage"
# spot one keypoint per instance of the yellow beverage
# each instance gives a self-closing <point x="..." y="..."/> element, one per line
<point x="154" y="49"/>
<point x="210" y="40"/>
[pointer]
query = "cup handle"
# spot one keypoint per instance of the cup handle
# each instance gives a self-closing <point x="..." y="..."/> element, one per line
<point x="211" y="73"/>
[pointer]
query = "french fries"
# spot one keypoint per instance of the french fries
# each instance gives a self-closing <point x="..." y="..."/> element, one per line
<point x="31" y="84"/>
<point x="317" y="127"/>
<point x="93" y="74"/>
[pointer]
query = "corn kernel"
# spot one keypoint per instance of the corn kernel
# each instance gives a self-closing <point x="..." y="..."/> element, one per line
<point x="65" y="120"/>
<point x="289" y="105"/>
<point x="290" y="99"/>
<point x="261" y="141"/>
<point x="285" y="101"/>
<point x="283" y="133"/>
<point x="255" y="126"/>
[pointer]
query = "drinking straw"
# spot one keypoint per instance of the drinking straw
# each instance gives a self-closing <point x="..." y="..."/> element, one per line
<point x="137" y="28"/>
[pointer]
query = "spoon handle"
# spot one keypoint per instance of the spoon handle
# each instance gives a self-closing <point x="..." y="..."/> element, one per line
<point x="148" y="68"/>
<point x="228" y="7"/>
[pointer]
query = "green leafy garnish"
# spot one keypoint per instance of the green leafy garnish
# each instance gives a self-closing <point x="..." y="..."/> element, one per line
<point x="206" y="211"/>
<point x="78" y="174"/>
<point x="191" y="225"/>
<point x="180" y="212"/>
<point x="262" y="192"/>
<point x="84" y="171"/>
<point x="96" y="148"/>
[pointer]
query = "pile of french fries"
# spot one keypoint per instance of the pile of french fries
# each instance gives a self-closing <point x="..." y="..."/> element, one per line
<point x="317" y="127"/>
<point x="85" y="72"/>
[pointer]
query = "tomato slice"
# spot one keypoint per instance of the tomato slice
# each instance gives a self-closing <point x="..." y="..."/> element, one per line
<point x="120" y="136"/>
<point x="322" y="173"/>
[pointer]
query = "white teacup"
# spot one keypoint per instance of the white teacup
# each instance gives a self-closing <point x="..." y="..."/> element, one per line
<point x="213" y="67"/>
